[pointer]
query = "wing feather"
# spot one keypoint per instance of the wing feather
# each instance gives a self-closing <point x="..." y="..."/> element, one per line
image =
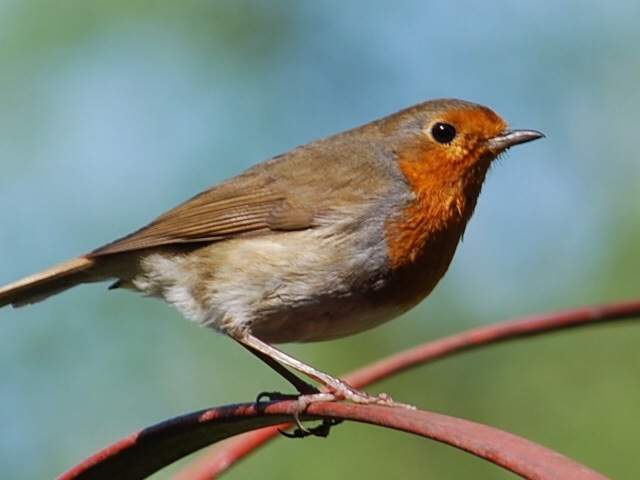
<point x="294" y="191"/>
<point x="218" y="213"/>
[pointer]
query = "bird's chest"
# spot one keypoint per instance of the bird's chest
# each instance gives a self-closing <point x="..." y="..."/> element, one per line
<point x="421" y="243"/>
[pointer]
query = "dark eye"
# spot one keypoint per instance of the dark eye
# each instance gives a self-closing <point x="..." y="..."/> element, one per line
<point x="443" y="132"/>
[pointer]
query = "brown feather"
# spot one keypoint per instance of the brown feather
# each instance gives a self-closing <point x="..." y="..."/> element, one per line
<point x="315" y="184"/>
<point x="41" y="285"/>
<point x="282" y="194"/>
<point x="208" y="217"/>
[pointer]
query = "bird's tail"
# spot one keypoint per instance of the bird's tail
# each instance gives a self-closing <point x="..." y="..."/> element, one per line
<point x="41" y="285"/>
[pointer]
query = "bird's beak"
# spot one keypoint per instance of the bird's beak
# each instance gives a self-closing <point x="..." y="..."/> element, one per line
<point x="509" y="138"/>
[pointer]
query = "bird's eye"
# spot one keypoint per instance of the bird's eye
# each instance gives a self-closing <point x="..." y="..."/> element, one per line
<point x="443" y="132"/>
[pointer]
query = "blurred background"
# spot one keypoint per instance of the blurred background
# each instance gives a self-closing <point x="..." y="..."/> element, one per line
<point x="113" y="112"/>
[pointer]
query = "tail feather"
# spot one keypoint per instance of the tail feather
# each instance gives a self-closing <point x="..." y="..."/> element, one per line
<point x="41" y="285"/>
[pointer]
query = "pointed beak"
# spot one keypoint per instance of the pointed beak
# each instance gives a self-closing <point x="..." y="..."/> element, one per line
<point x="509" y="138"/>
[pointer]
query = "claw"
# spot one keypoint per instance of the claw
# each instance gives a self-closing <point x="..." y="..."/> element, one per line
<point x="336" y="389"/>
<point x="275" y="396"/>
<point x="321" y="430"/>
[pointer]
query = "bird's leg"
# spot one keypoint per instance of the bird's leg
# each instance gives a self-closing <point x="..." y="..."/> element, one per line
<point x="303" y="388"/>
<point x="277" y="359"/>
<point x="336" y="388"/>
<point x="299" y="384"/>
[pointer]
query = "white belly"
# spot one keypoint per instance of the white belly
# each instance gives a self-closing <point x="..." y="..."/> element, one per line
<point x="284" y="287"/>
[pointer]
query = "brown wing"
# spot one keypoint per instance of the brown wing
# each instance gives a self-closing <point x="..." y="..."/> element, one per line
<point x="240" y="206"/>
<point x="318" y="182"/>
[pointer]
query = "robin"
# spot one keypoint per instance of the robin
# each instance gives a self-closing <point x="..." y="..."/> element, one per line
<point x="327" y="240"/>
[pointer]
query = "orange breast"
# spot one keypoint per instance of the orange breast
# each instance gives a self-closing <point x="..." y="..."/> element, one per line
<point x="423" y="238"/>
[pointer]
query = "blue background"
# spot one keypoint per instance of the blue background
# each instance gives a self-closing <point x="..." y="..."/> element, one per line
<point x="113" y="112"/>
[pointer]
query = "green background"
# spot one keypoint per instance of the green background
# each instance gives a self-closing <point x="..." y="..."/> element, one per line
<point x="113" y="112"/>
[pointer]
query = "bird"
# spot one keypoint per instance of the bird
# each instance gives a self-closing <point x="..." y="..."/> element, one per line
<point x="327" y="240"/>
